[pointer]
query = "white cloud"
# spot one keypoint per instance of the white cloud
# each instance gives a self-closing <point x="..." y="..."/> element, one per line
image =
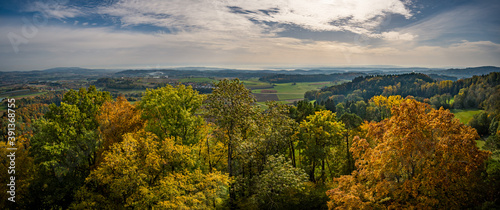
<point x="395" y="36"/>
<point x="210" y="32"/>
<point x="249" y="17"/>
<point x="54" y="9"/>
<point x="104" y="47"/>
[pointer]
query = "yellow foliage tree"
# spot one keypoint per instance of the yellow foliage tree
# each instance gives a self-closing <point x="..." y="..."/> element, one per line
<point x="385" y="104"/>
<point x="419" y="158"/>
<point x="142" y="172"/>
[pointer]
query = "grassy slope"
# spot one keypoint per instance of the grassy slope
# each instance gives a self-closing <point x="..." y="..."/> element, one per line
<point x="288" y="91"/>
<point x="465" y="115"/>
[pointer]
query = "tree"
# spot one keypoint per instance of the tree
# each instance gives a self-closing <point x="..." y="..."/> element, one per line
<point x="385" y="103"/>
<point x="116" y="119"/>
<point x="64" y="146"/>
<point x="230" y="108"/>
<point x="143" y="171"/>
<point x="171" y="112"/>
<point x="274" y="133"/>
<point x="351" y="122"/>
<point x="317" y="136"/>
<point x="278" y="185"/>
<point x="22" y="168"/>
<point x="419" y="158"/>
<point x="481" y="122"/>
<point x="303" y="109"/>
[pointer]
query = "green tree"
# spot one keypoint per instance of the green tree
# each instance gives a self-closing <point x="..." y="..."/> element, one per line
<point x="351" y="122"/>
<point x="278" y="185"/>
<point x="303" y="109"/>
<point x="171" y="112"/>
<point x="64" y="146"/>
<point x="230" y="108"/>
<point x="317" y="136"/>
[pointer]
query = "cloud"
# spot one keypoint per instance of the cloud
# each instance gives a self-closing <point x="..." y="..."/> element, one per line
<point x="54" y="9"/>
<point x="98" y="47"/>
<point x="242" y="32"/>
<point x="394" y="36"/>
<point x="258" y="17"/>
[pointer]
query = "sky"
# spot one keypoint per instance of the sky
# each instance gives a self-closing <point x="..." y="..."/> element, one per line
<point x="248" y="34"/>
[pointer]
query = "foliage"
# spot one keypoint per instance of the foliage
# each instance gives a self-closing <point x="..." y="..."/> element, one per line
<point x="369" y="86"/>
<point x="64" y="146"/>
<point x="143" y="171"/>
<point x="317" y="137"/>
<point x="230" y="108"/>
<point x="23" y="170"/>
<point x="278" y="184"/>
<point x="419" y="158"/>
<point x="352" y="124"/>
<point x="171" y="112"/>
<point x="116" y="119"/>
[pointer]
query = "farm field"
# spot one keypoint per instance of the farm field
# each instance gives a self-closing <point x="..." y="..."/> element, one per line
<point x="284" y="91"/>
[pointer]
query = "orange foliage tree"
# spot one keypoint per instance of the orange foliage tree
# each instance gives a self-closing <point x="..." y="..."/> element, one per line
<point x="419" y="158"/>
<point x="116" y="119"/>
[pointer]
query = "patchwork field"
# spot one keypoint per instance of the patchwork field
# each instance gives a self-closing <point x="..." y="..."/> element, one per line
<point x="288" y="92"/>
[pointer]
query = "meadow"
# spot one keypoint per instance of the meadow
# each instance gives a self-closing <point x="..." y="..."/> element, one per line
<point x="465" y="115"/>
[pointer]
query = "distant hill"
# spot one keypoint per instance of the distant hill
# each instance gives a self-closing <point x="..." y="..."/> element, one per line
<point x="287" y="78"/>
<point x="365" y="87"/>
<point x="467" y="72"/>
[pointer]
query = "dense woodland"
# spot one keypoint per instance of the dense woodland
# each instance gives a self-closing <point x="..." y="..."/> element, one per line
<point x="374" y="143"/>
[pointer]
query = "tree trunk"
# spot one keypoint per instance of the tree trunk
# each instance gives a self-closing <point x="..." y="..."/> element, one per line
<point x="311" y="173"/>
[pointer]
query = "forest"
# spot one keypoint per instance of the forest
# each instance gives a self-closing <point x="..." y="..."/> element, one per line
<point x="377" y="142"/>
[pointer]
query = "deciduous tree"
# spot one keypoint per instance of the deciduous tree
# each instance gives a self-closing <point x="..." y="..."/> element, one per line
<point x="419" y="158"/>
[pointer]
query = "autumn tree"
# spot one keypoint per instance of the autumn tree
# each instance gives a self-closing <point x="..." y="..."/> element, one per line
<point x="419" y="158"/>
<point x="22" y="168"/>
<point x="386" y="103"/>
<point x="116" y="119"/>
<point x="317" y="136"/>
<point x="171" y="112"/>
<point x="145" y="172"/>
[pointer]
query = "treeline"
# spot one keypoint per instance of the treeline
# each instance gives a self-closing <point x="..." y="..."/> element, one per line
<point x="113" y="83"/>
<point x="178" y="149"/>
<point x="467" y="93"/>
<point x="287" y="78"/>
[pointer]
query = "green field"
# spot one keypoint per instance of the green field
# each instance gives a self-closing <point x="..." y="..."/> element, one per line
<point x="465" y="115"/>
<point x="285" y="91"/>
<point x="254" y="83"/>
<point x="480" y="144"/>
